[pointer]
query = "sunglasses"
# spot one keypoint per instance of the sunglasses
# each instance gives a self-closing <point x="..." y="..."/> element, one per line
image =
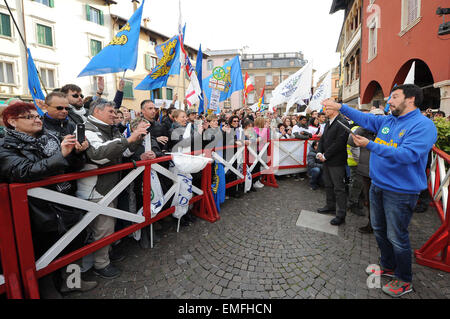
<point x="76" y="96"/>
<point x="30" y="117"/>
<point x="60" y="108"/>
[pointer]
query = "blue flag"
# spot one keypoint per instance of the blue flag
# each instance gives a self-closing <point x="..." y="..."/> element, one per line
<point x="121" y="53"/>
<point x="168" y="63"/>
<point x="388" y="106"/>
<point x="33" y="82"/>
<point x="230" y="76"/>
<point x="219" y="185"/>
<point x="198" y="69"/>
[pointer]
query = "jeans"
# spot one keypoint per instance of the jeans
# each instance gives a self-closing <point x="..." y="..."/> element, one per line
<point x="390" y="214"/>
<point x="316" y="174"/>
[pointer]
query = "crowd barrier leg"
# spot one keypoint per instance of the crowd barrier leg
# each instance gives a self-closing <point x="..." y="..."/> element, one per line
<point x="12" y="283"/>
<point x="435" y="252"/>
<point x="206" y="208"/>
<point x="19" y="205"/>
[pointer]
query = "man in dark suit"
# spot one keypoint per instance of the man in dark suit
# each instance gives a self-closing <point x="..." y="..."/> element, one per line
<point x="332" y="152"/>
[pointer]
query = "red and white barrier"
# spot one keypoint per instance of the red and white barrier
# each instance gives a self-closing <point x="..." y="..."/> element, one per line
<point x="435" y="252"/>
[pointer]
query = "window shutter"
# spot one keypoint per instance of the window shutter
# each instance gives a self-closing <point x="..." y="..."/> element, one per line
<point x="88" y="12"/>
<point x="51" y="3"/>
<point x="5" y="25"/>
<point x="148" y="65"/>
<point x="102" y="22"/>
<point x="128" y="89"/>
<point x="48" y="36"/>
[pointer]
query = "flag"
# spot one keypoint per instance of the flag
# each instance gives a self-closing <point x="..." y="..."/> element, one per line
<point x="194" y="90"/>
<point x="321" y="93"/>
<point x="411" y="74"/>
<point x="121" y="53"/>
<point x="248" y="86"/>
<point x="230" y="75"/>
<point x="199" y="70"/>
<point x="261" y="99"/>
<point x="33" y="82"/>
<point x="296" y="87"/>
<point x="218" y="185"/>
<point x="388" y="106"/>
<point x="168" y="63"/>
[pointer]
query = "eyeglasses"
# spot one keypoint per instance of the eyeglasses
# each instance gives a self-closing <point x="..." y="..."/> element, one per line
<point x="235" y="121"/>
<point x="76" y="96"/>
<point x="30" y="117"/>
<point x="60" y="108"/>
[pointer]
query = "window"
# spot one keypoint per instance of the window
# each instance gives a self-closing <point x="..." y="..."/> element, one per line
<point x="267" y="97"/>
<point x="44" y="35"/>
<point x="5" y="25"/>
<point x="336" y="84"/>
<point x="48" y="3"/>
<point x="210" y="64"/>
<point x="152" y="42"/>
<point x="6" y="73"/>
<point x="169" y="94"/>
<point x="128" y="90"/>
<point x="48" y="77"/>
<point x="410" y="13"/>
<point x="157" y="94"/>
<point x="269" y="79"/>
<point x="372" y="41"/>
<point x="96" y="47"/>
<point x="94" y="15"/>
<point x="150" y="62"/>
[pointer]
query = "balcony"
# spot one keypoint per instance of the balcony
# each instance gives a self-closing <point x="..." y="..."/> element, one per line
<point x="350" y="91"/>
<point x="351" y="41"/>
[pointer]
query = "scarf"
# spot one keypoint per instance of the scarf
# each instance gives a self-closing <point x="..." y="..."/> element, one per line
<point x="47" y="145"/>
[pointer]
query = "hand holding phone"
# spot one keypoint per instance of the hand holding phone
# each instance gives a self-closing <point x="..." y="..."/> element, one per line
<point x="345" y="127"/>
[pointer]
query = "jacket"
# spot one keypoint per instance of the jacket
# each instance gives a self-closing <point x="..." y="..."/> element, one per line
<point x="311" y="159"/>
<point x="59" y="128"/>
<point x="333" y="143"/>
<point x="22" y="162"/>
<point x="400" y="150"/>
<point x="106" y="148"/>
<point x="364" y="153"/>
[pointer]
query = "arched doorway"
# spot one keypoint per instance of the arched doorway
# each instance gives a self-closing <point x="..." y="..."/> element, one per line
<point x="422" y="78"/>
<point x="373" y="95"/>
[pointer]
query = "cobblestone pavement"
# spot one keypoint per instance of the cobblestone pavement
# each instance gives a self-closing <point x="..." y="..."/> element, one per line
<point x="256" y="251"/>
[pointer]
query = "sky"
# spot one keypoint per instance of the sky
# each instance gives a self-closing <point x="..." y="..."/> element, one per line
<point x="262" y="26"/>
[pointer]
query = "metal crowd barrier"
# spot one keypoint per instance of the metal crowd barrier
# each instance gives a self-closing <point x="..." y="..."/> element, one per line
<point x="435" y="252"/>
<point x="10" y="279"/>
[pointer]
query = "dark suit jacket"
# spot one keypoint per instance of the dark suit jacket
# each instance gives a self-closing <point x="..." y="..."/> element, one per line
<point x="333" y="143"/>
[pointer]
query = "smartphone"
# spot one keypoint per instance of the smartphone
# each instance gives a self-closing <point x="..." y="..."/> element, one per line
<point x="345" y="127"/>
<point x="79" y="133"/>
<point x="132" y="114"/>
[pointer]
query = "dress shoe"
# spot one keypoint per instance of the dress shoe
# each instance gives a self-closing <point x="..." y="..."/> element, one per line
<point x="366" y="229"/>
<point x="326" y="210"/>
<point x="337" y="221"/>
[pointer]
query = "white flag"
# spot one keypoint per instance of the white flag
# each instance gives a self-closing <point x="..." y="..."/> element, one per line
<point x="321" y="93"/>
<point x="193" y="91"/>
<point x="410" y="77"/>
<point x="293" y="88"/>
<point x="303" y="90"/>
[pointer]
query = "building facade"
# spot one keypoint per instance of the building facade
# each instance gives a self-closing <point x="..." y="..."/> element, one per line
<point x="268" y="70"/>
<point x="396" y="34"/>
<point x="349" y="47"/>
<point x="62" y="45"/>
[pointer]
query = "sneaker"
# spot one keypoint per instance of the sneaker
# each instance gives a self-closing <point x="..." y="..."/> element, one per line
<point x="258" y="184"/>
<point x="115" y="255"/>
<point x="380" y="272"/>
<point x="109" y="272"/>
<point x="397" y="288"/>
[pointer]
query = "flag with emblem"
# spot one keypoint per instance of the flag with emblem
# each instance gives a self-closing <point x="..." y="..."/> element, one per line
<point x="121" y="53"/>
<point x="33" y="82"/>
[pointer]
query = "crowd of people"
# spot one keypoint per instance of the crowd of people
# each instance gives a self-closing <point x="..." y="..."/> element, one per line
<point x="34" y="147"/>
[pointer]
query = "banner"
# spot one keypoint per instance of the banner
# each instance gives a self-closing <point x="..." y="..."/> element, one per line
<point x="321" y="93"/>
<point x="121" y="53"/>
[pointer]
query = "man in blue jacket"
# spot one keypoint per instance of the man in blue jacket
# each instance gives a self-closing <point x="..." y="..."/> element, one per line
<point x="397" y="169"/>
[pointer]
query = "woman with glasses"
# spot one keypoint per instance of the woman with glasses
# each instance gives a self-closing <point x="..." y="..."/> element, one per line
<point x="29" y="153"/>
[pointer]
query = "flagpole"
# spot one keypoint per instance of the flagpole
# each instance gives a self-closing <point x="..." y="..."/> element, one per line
<point x="24" y="43"/>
